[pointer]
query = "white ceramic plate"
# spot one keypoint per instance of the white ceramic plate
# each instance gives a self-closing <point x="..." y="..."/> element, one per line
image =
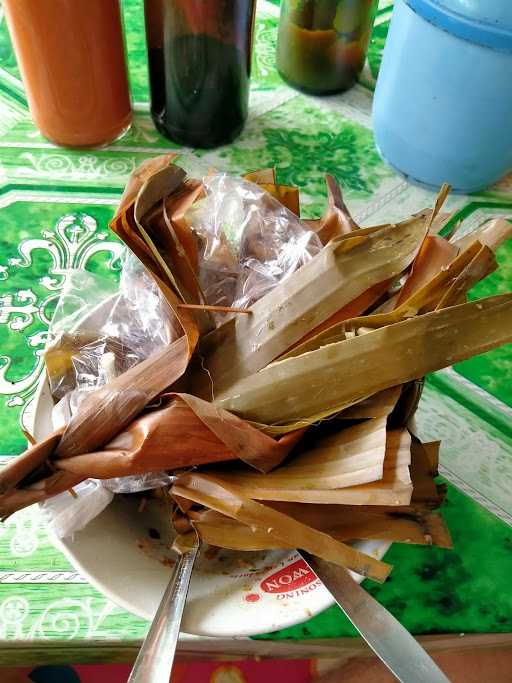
<point x="231" y="593"/>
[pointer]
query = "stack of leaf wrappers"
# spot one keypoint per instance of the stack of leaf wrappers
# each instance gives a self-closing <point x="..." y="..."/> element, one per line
<point x="265" y="369"/>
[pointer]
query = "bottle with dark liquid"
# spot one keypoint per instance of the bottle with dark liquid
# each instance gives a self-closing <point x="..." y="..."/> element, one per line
<point x="199" y="66"/>
<point x="322" y="44"/>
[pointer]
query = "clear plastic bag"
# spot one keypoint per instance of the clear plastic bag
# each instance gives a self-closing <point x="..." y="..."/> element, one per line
<point x="138" y="483"/>
<point x="101" y="329"/>
<point x="250" y="242"/>
<point x="64" y="514"/>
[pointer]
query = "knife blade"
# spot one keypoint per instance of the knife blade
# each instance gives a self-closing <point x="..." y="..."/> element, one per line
<point x="390" y="641"/>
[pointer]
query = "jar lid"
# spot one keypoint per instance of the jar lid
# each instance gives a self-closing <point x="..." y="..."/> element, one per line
<point x="486" y="23"/>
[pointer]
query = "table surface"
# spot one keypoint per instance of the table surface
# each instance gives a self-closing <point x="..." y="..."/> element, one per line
<point x="55" y="205"/>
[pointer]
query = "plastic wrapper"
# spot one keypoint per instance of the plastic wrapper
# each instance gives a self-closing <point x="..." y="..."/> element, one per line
<point x="64" y="514"/>
<point x="68" y="405"/>
<point x="138" y="483"/>
<point x="100" y="330"/>
<point x="249" y="241"/>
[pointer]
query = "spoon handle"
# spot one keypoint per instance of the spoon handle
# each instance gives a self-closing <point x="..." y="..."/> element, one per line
<point x="155" y="659"/>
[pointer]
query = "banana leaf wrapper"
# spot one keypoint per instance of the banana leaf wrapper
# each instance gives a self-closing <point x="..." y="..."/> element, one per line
<point x="212" y="493"/>
<point x="431" y="449"/>
<point x="175" y="254"/>
<point x="301" y="390"/>
<point x="140" y="175"/>
<point x="167" y="184"/>
<point x="343" y="270"/>
<point x="355" y="308"/>
<point x="287" y="195"/>
<point x="109" y="409"/>
<point x="114" y="405"/>
<point x="344" y="523"/>
<point x="18" y="498"/>
<point x="336" y="220"/>
<point x="425" y="295"/>
<point x="352" y="456"/>
<point x="125" y="224"/>
<point x="262" y="176"/>
<point x="440" y="221"/>
<point x="168" y="234"/>
<point x="407" y="404"/>
<point x="434" y="270"/>
<point x="482" y="264"/>
<point x="398" y="404"/>
<point x="18" y="468"/>
<point x="104" y="413"/>
<point x="413" y="523"/>
<point x="186" y="432"/>
<point x="266" y="179"/>
<point x="173" y="247"/>
<point x="435" y="254"/>
<point x="491" y="234"/>
<point x="315" y="482"/>
<point x="423" y="468"/>
<point x="427" y="494"/>
<point x="381" y="404"/>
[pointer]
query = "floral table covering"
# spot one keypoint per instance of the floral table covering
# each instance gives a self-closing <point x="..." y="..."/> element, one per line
<point x="55" y="205"/>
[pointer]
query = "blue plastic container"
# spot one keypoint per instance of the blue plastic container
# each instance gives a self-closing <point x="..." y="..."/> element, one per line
<point x="442" y="110"/>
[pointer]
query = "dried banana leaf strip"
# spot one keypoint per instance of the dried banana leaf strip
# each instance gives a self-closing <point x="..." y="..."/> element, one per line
<point x="394" y="486"/>
<point x="435" y="254"/>
<point x="139" y="176"/>
<point x="381" y="404"/>
<point x="425" y="296"/>
<point x="109" y="409"/>
<point x="343" y="522"/>
<point x="336" y="220"/>
<point x="350" y="457"/>
<point x="314" y="385"/>
<point x="104" y="413"/>
<point x="212" y="493"/>
<point x="52" y="485"/>
<point x="492" y="234"/>
<point x="483" y="263"/>
<point x="338" y="274"/>
<point x="20" y="467"/>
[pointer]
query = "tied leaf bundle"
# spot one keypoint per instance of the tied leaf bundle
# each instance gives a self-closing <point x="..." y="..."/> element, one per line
<point x="285" y="427"/>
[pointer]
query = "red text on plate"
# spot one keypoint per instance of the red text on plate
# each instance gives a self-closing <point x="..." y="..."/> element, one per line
<point x="290" y="578"/>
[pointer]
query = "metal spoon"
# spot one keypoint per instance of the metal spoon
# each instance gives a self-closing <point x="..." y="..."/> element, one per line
<point x="155" y="659"/>
<point x="390" y="641"/>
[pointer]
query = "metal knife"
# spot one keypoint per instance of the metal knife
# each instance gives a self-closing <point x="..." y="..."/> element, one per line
<point x="390" y="641"/>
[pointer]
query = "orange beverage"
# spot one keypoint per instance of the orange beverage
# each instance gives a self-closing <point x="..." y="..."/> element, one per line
<point x="72" y="61"/>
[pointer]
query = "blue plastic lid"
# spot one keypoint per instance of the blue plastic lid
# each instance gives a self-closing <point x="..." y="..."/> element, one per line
<point x="485" y="22"/>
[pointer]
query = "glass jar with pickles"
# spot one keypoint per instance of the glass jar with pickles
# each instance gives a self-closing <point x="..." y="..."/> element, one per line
<point x="322" y="44"/>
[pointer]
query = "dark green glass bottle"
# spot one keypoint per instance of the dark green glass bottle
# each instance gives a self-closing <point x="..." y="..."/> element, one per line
<point x="199" y="67"/>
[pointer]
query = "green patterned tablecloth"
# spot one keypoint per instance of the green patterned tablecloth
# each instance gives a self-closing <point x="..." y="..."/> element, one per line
<point x="54" y="208"/>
